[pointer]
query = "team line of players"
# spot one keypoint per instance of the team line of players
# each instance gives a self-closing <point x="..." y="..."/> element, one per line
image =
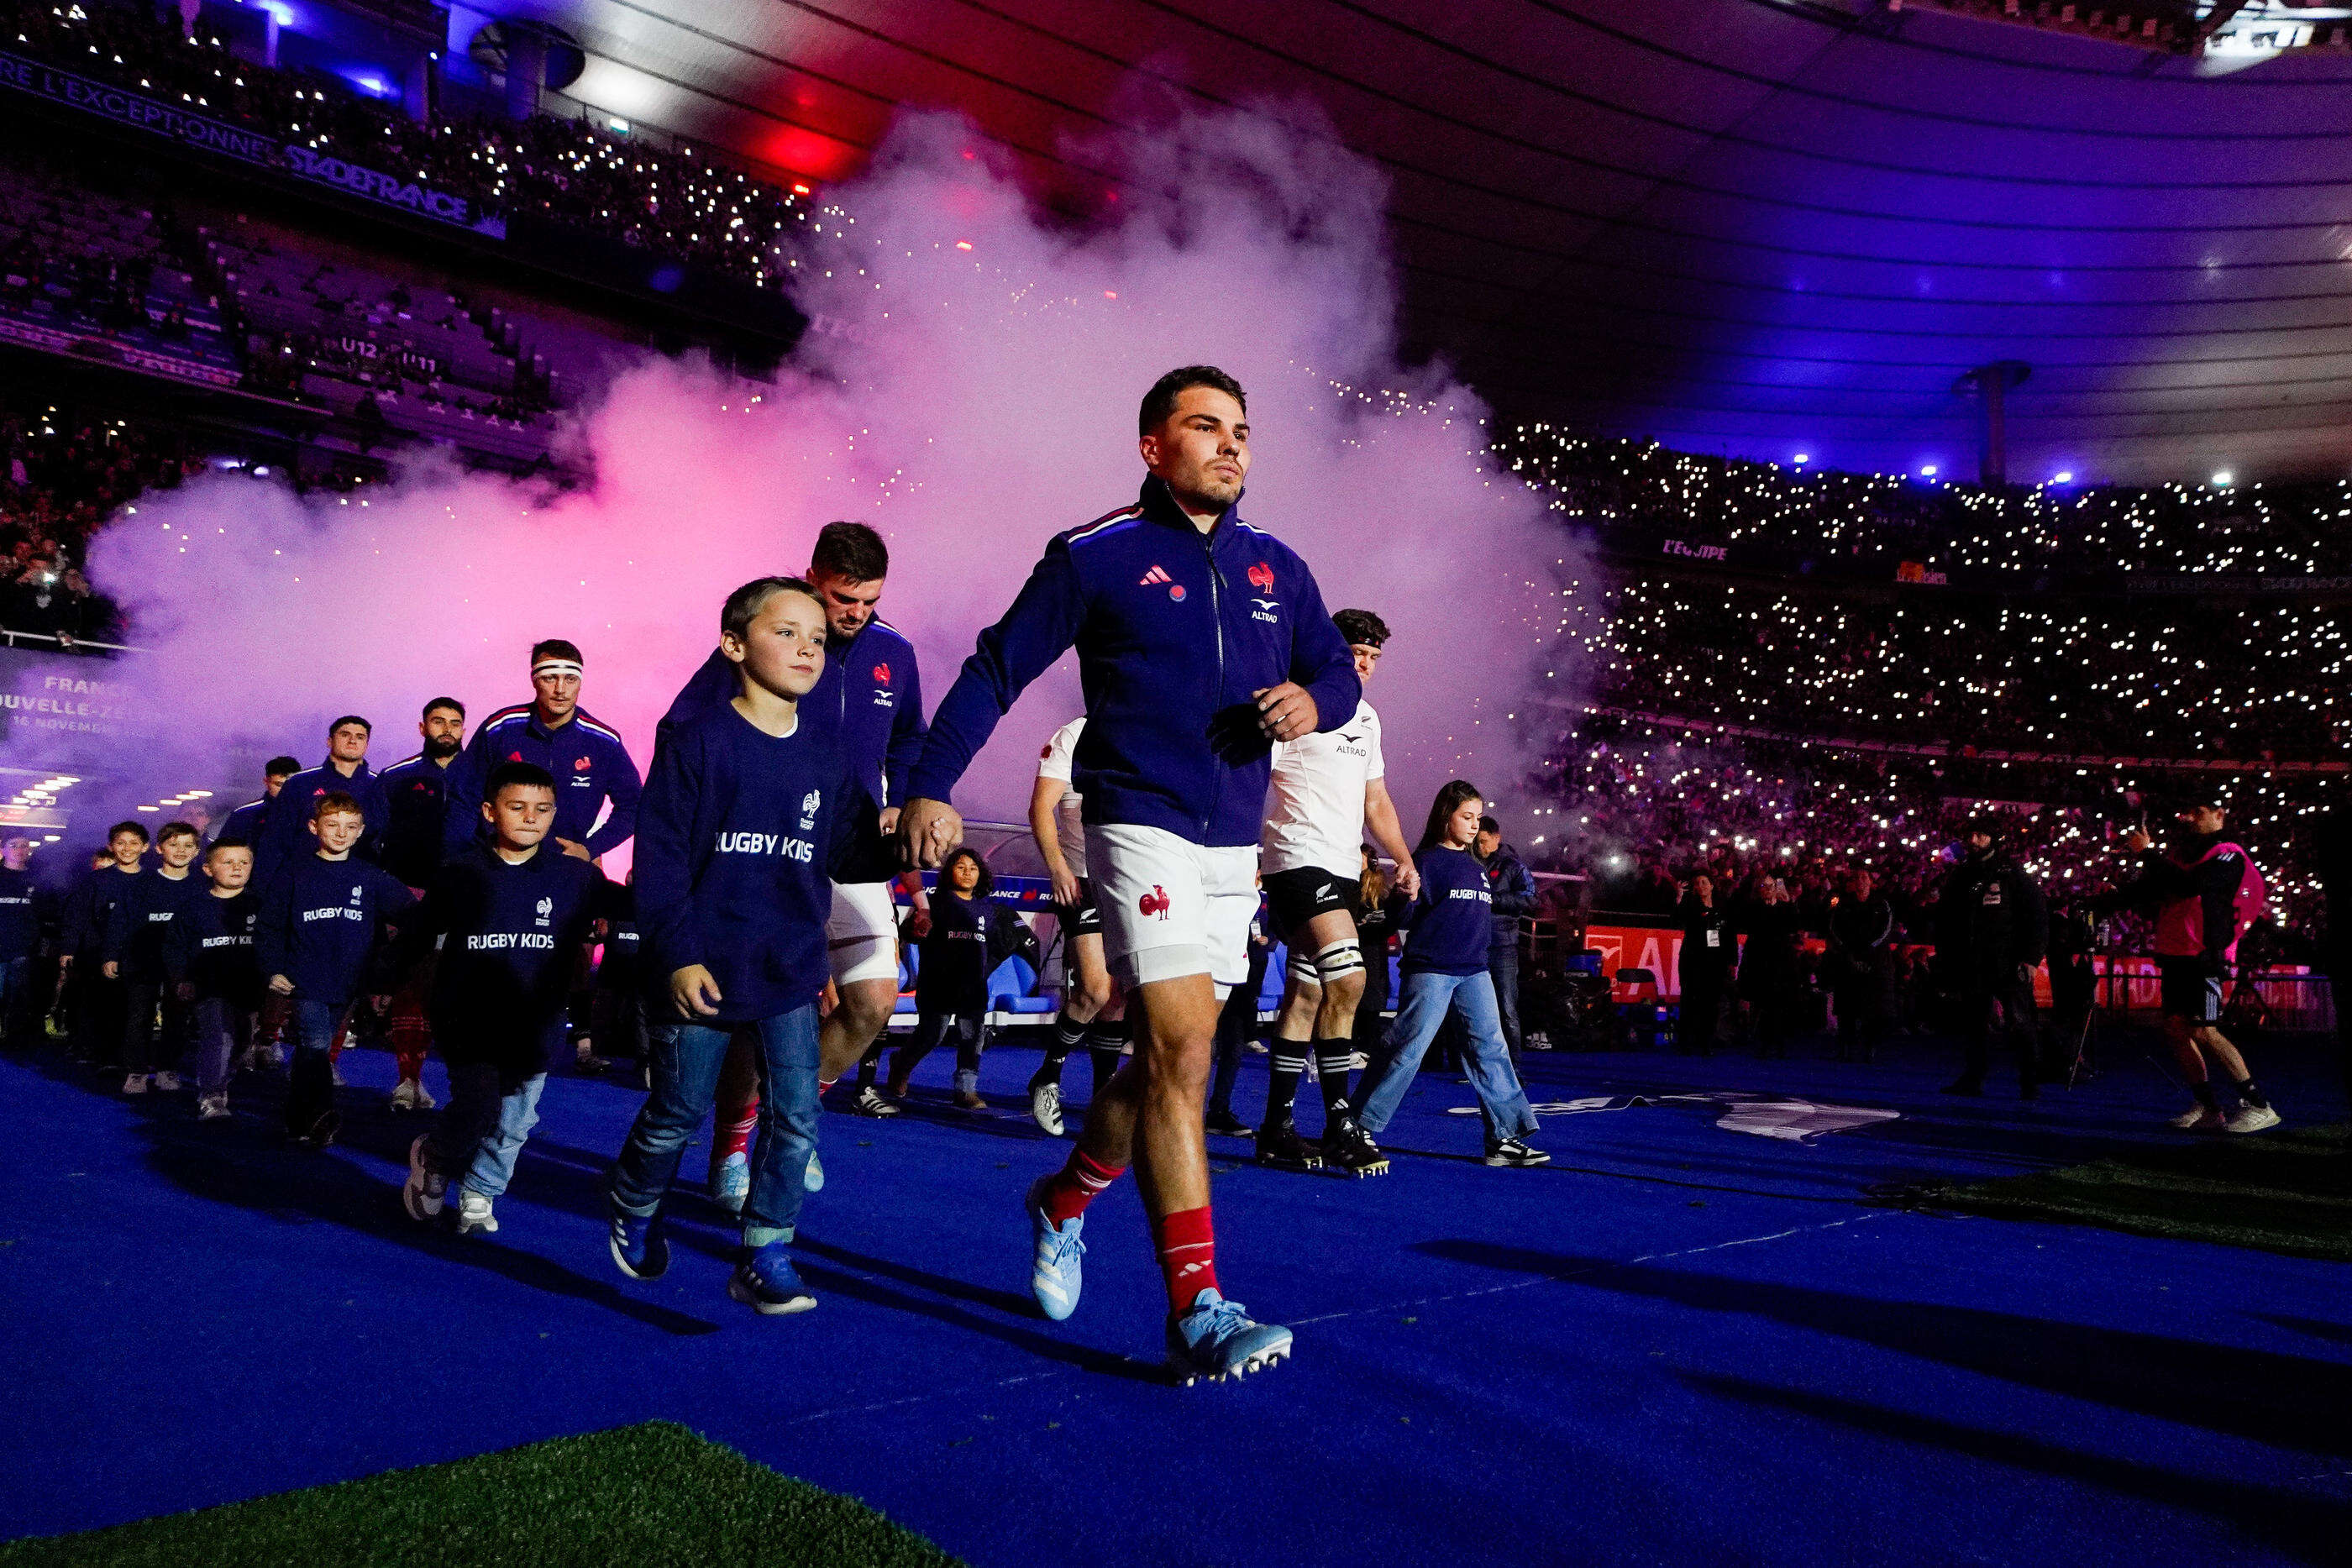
<point x="794" y="780"/>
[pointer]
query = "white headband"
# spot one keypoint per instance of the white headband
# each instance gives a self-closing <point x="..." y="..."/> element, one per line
<point x="555" y="666"/>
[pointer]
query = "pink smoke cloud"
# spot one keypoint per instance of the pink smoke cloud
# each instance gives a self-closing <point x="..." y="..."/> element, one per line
<point x="968" y="402"/>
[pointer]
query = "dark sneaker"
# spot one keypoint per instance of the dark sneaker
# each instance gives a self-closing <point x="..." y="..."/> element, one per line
<point x="639" y="1248"/>
<point x="1512" y="1151"/>
<point x="769" y="1285"/>
<point x="1226" y="1124"/>
<point x="426" y="1190"/>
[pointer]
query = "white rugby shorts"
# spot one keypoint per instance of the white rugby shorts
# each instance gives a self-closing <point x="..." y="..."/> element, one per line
<point x="1171" y="907"/>
<point x="862" y="932"/>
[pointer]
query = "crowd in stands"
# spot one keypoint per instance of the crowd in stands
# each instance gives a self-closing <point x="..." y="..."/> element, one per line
<point x="2170" y="677"/>
<point x="568" y="171"/>
<point x="1639" y="810"/>
<point x="63" y="478"/>
<point x="74" y="262"/>
<point x="1887" y="519"/>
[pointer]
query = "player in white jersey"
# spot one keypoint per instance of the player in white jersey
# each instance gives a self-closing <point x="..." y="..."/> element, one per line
<point x="1328" y="790"/>
<point x="1092" y="1008"/>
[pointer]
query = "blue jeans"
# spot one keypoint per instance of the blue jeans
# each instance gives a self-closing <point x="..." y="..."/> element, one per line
<point x="1421" y="1007"/>
<point x="495" y="1154"/>
<point x="686" y="1064"/>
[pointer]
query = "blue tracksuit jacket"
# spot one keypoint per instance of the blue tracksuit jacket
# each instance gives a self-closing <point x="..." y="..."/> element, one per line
<point x="587" y="758"/>
<point x="1175" y="630"/>
<point x="869" y="697"/>
<point x="417" y="790"/>
<point x="285" y="835"/>
<point x="243" y="826"/>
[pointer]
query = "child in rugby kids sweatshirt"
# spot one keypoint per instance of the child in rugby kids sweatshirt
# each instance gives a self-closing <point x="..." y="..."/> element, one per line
<point x="749" y="816"/>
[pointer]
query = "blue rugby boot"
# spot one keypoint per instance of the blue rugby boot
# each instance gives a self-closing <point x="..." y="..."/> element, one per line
<point x="1054" y="1268"/>
<point x="1217" y="1339"/>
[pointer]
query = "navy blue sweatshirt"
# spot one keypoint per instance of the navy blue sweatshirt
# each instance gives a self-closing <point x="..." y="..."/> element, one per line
<point x="88" y="907"/>
<point x="416" y="791"/>
<point x="620" y="969"/>
<point x="318" y="921"/>
<point x="20" y="914"/>
<point x="1451" y="924"/>
<point x="741" y="835"/>
<point x="869" y="696"/>
<point x="214" y="943"/>
<point x="138" y="929"/>
<point x="961" y="951"/>
<point x="586" y="756"/>
<point x="1175" y="629"/>
<point x="508" y="936"/>
<point x="285" y="835"/>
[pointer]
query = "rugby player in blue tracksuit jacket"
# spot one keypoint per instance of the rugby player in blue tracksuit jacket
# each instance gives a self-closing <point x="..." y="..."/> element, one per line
<point x="584" y="756"/>
<point x="243" y="825"/>
<point x="1448" y="931"/>
<point x="285" y="835"/>
<point x="871" y="697"/>
<point x="748" y="818"/>
<point x="416" y="791"/>
<point x="1200" y="638"/>
<point x="509" y="915"/>
<point x="321" y="917"/>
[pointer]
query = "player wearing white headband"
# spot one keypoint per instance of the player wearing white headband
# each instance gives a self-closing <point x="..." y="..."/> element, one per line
<point x="590" y="765"/>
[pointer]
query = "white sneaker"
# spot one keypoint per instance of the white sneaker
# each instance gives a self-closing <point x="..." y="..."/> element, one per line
<point x="136" y="1083"/>
<point x="335" y="1071"/>
<point x="404" y="1095"/>
<point x="166" y="1082"/>
<point x="2252" y="1119"/>
<point x="211" y="1107"/>
<point x="2202" y="1121"/>
<point x="474" y="1213"/>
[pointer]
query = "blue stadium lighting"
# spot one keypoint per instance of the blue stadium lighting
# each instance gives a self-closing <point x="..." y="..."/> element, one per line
<point x="1929" y="470"/>
<point x="1803" y="458"/>
<point x="2064" y="477"/>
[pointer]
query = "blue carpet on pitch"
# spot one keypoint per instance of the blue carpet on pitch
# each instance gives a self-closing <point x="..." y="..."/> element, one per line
<point x="1677" y="1344"/>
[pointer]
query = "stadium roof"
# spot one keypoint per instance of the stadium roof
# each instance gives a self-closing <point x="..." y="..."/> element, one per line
<point x="1763" y="227"/>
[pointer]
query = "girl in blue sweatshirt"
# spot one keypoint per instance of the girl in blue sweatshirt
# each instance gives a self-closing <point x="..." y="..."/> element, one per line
<point x="748" y="818"/>
<point x="970" y="936"/>
<point x="1448" y="930"/>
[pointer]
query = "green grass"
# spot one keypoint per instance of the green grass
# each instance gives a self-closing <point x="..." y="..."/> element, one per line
<point x="654" y="1494"/>
<point x="2289" y="1191"/>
